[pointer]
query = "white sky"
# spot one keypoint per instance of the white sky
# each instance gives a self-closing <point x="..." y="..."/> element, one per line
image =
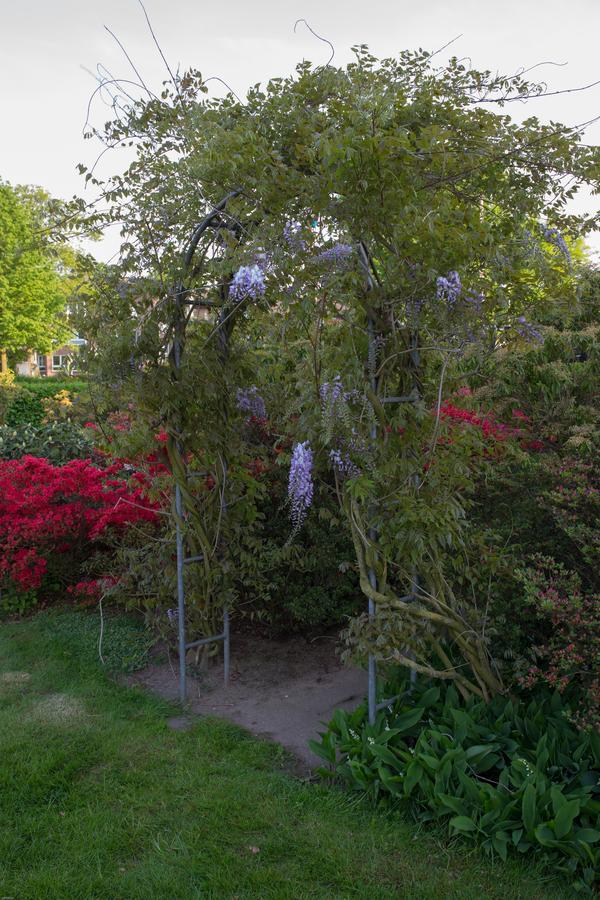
<point x="45" y="45"/>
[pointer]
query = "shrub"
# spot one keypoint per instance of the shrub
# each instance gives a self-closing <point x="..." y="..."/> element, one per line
<point x="510" y="774"/>
<point x="24" y="409"/>
<point x="54" y="519"/>
<point x="566" y="655"/>
<point x="48" y="399"/>
<point x="303" y="584"/>
<point x="58" y="442"/>
<point x="8" y="393"/>
<point x="48" y="387"/>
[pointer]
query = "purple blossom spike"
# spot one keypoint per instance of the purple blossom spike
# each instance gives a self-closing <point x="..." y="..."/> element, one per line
<point x="248" y="281"/>
<point x="554" y="237"/>
<point x="343" y="465"/>
<point x="264" y="261"/>
<point x="475" y="300"/>
<point x="338" y="255"/>
<point x="528" y="331"/>
<point x="292" y="233"/>
<point x="449" y="288"/>
<point x="332" y="391"/>
<point x="250" y="401"/>
<point x="300" y="484"/>
<point x="173" y="616"/>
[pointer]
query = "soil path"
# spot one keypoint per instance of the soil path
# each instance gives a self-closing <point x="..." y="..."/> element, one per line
<point x="281" y="690"/>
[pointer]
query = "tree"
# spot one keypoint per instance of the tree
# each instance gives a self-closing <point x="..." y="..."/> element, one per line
<point x="34" y="283"/>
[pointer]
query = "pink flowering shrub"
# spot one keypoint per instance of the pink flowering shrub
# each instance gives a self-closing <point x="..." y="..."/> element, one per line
<point x="567" y="658"/>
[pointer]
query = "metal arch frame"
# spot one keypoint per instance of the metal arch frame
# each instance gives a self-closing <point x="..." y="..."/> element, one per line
<point x="366" y="263"/>
<point x="182" y="560"/>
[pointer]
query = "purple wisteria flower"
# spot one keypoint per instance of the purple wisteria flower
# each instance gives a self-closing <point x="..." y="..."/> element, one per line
<point x="554" y="237"/>
<point x="343" y="465"/>
<point x="248" y="281"/>
<point x="338" y="255"/>
<point x="528" y="331"/>
<point x="332" y="391"/>
<point x="264" y="261"/>
<point x="249" y="401"/>
<point x="300" y="484"/>
<point x="173" y="616"/>
<point x="449" y="288"/>
<point x="292" y="233"/>
<point x="475" y="300"/>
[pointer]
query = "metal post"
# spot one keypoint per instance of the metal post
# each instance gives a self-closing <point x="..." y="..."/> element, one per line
<point x="372" y="534"/>
<point x="226" y="655"/>
<point x="180" y="593"/>
<point x="415" y="358"/>
<point x="177" y="350"/>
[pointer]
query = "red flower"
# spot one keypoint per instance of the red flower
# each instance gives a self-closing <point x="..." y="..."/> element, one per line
<point x="47" y="510"/>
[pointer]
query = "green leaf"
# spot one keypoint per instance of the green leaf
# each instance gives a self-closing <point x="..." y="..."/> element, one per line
<point x="320" y="749"/>
<point x="529" y="808"/>
<point x="463" y="823"/>
<point x="563" y="821"/>
<point x="587" y="835"/>
<point x="414" y="773"/>
<point x="456" y="804"/>
<point x="406" y="721"/>
<point x="545" y="836"/>
<point x="499" y="842"/>
<point x="558" y="798"/>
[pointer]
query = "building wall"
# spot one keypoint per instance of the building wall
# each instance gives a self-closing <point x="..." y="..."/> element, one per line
<point x="45" y="365"/>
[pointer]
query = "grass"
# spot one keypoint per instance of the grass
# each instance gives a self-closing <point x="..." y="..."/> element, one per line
<point x="99" y="798"/>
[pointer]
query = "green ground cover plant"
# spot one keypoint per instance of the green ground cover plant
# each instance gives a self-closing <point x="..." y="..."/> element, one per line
<point x="514" y="774"/>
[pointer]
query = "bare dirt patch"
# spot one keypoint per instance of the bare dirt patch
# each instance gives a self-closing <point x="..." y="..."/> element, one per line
<point x="14" y="678"/>
<point x="281" y="690"/>
<point x="59" y="709"/>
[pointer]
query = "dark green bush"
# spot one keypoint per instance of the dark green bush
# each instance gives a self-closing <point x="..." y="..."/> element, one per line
<point x="56" y="441"/>
<point x="48" y="387"/>
<point x="16" y="603"/>
<point x="304" y="584"/>
<point x="25" y="409"/>
<point x="512" y="775"/>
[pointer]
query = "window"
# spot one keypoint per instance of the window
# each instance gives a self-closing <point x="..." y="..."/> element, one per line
<point x="41" y="362"/>
<point x="58" y="361"/>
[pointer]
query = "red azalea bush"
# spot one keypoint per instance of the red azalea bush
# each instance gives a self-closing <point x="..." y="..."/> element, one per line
<point x="489" y="426"/>
<point x="54" y="518"/>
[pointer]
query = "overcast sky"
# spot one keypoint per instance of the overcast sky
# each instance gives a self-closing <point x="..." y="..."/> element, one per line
<point x="46" y="46"/>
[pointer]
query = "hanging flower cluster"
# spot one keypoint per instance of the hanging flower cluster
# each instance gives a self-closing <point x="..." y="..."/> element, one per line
<point x="527" y="330"/>
<point x="339" y="255"/>
<point x="554" y="237"/>
<point x="342" y="464"/>
<point x="248" y="281"/>
<point x="449" y="288"/>
<point x="332" y="391"/>
<point x="250" y="402"/>
<point x="300" y="484"/>
<point x="334" y="397"/>
<point x="292" y="233"/>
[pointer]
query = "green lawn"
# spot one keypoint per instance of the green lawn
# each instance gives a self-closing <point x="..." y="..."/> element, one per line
<point x="99" y="798"/>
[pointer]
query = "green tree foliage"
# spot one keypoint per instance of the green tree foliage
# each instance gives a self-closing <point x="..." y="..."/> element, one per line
<point x="36" y="276"/>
